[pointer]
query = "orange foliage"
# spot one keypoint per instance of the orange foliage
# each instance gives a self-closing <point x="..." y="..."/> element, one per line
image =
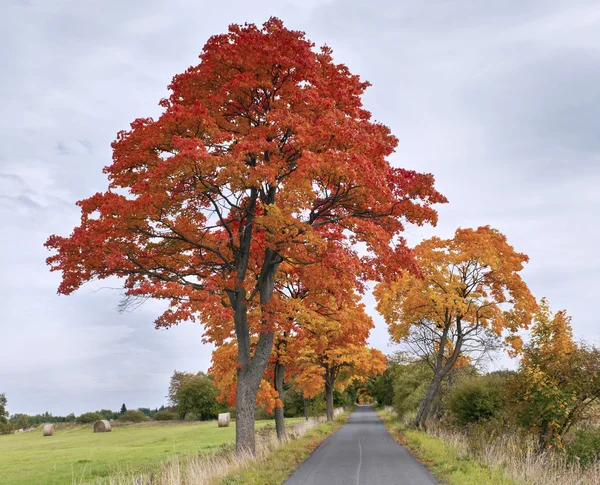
<point x="469" y="283"/>
<point x="263" y="156"/>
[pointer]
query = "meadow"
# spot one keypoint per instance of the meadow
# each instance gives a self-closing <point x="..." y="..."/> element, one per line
<point x="79" y="455"/>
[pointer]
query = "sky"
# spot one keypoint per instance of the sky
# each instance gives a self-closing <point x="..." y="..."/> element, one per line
<point x="499" y="100"/>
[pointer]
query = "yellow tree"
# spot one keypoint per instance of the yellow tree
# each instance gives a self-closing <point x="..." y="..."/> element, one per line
<point x="557" y="379"/>
<point x="470" y="290"/>
<point x="332" y="353"/>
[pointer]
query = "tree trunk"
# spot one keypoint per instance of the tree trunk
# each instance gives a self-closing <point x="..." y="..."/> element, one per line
<point x="545" y="436"/>
<point x="306" y="408"/>
<point x="279" y="411"/>
<point x="252" y="367"/>
<point x="329" y="398"/>
<point x="425" y="409"/>
<point x="441" y="370"/>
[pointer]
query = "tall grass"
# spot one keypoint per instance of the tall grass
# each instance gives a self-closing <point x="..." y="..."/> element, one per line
<point x="518" y="456"/>
<point x="514" y="452"/>
<point x="211" y="468"/>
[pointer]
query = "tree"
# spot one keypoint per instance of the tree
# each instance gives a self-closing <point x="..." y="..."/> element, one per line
<point x="332" y="353"/>
<point x="87" y="418"/>
<point x="381" y="387"/>
<point x="469" y="292"/>
<point x="198" y="395"/>
<point x="410" y="381"/>
<point x="108" y="414"/>
<point x="123" y="409"/>
<point x="182" y="394"/>
<point x="263" y="153"/>
<point x="175" y="384"/>
<point x="557" y="380"/>
<point x="3" y="411"/>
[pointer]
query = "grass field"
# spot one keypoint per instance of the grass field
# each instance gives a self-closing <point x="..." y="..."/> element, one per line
<point x="79" y="455"/>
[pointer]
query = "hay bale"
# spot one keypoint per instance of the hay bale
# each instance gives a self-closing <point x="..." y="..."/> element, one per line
<point x="102" y="426"/>
<point x="224" y="419"/>
<point x="48" y="430"/>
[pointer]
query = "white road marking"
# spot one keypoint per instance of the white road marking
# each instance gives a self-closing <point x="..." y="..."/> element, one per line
<point x="359" y="461"/>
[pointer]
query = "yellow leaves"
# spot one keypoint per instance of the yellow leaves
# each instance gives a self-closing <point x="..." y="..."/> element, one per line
<point x="472" y="278"/>
<point x="514" y="345"/>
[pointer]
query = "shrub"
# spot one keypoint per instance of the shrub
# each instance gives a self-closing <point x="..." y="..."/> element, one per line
<point x="585" y="446"/>
<point x="133" y="416"/>
<point x="410" y="383"/>
<point x="477" y="399"/>
<point x="88" y="418"/>
<point x="166" y="416"/>
<point x="6" y="428"/>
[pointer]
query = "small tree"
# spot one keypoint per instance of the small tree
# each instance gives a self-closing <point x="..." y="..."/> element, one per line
<point x="123" y="409"/>
<point x="198" y="396"/>
<point x="108" y="414"/>
<point x="177" y="381"/>
<point x="3" y="411"/>
<point x="87" y="418"/>
<point x="557" y="378"/>
<point x="470" y="293"/>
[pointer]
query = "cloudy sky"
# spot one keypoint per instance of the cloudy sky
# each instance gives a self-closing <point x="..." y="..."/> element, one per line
<point x="500" y="100"/>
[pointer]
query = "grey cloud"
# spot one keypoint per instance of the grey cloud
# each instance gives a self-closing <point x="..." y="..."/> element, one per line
<point x="499" y="100"/>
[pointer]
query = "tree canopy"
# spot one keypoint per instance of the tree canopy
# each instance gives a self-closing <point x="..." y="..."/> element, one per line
<point x="470" y="291"/>
<point x="263" y="155"/>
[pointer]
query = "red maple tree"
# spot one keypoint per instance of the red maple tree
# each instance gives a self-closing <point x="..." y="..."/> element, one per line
<point x="263" y="154"/>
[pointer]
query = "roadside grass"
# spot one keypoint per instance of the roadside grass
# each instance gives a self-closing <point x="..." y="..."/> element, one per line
<point x="273" y="464"/>
<point x="278" y="465"/>
<point x="445" y="461"/>
<point x="78" y="455"/>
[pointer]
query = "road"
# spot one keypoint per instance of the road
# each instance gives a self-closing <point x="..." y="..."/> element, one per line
<point x="362" y="452"/>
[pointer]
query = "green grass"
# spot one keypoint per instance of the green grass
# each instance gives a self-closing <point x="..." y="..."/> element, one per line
<point x="277" y="467"/>
<point x="443" y="460"/>
<point x="79" y="455"/>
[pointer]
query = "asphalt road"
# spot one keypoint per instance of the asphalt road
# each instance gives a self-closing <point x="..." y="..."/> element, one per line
<point x="362" y="452"/>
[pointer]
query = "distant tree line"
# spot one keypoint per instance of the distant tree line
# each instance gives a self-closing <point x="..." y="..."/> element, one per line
<point x="191" y="397"/>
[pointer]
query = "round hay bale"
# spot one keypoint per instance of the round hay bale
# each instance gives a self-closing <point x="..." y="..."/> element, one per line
<point x="224" y="419"/>
<point x="48" y="430"/>
<point x="102" y="426"/>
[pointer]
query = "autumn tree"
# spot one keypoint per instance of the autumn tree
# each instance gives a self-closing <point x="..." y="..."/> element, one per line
<point x="332" y="353"/>
<point x="321" y="331"/>
<point x="262" y="154"/>
<point x="470" y="287"/>
<point x="558" y="378"/>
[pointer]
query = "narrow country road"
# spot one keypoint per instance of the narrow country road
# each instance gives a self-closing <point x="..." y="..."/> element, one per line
<point x="362" y="452"/>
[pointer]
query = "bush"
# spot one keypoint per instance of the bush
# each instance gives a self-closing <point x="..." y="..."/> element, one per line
<point x="133" y="416"/>
<point x="166" y="416"/>
<point x="6" y="428"/>
<point x="88" y="418"/>
<point x="477" y="399"/>
<point x="410" y="383"/>
<point x="585" y="446"/>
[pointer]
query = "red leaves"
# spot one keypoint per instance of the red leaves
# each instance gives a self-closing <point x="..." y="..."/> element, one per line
<point x="263" y="147"/>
